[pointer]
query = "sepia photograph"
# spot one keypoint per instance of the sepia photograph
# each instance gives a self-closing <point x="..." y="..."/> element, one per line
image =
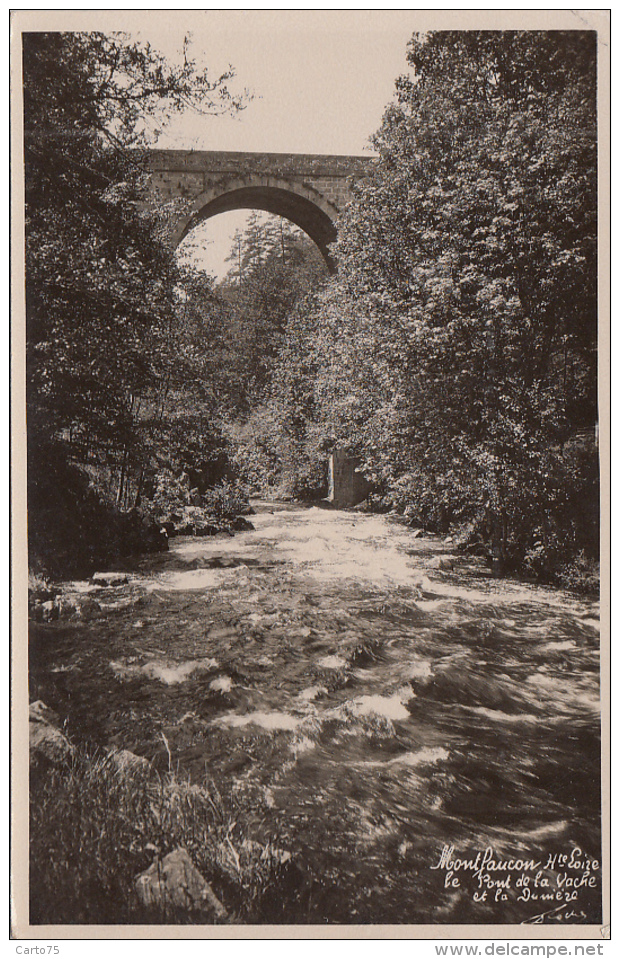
<point x="310" y="436"/>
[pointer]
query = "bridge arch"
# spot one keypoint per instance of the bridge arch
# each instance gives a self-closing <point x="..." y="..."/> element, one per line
<point x="300" y="203"/>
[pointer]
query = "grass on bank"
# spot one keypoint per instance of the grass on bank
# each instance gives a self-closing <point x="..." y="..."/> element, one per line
<point x="94" y="828"/>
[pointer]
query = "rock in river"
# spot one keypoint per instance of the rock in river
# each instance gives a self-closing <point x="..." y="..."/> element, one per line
<point x="109" y="579"/>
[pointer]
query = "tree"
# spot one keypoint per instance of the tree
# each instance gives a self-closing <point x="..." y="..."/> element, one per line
<point x="274" y="266"/>
<point x="470" y="258"/>
<point x="100" y="276"/>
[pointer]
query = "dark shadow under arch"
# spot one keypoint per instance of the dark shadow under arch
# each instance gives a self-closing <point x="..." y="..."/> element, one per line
<point x="302" y="211"/>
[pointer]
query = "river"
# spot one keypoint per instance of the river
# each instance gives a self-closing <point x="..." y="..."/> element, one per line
<point x="387" y="712"/>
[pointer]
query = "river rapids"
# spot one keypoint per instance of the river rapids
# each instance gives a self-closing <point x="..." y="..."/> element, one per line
<point x="391" y="720"/>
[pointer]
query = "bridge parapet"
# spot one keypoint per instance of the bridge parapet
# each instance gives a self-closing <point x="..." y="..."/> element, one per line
<point x="188" y="173"/>
<point x="274" y="164"/>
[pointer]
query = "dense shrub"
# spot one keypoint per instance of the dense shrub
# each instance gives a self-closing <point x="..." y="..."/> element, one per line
<point x="71" y="529"/>
<point x="275" y="460"/>
<point x="226" y="500"/>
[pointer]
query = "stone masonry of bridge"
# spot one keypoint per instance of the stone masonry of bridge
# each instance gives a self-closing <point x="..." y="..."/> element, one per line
<point x="309" y="190"/>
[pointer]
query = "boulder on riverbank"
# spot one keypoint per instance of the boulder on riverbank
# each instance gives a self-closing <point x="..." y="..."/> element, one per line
<point x="49" y="602"/>
<point x="173" y="885"/>
<point x="125" y="761"/>
<point x="47" y="743"/>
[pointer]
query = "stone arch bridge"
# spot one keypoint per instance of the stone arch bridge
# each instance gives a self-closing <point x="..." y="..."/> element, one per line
<point x="308" y="190"/>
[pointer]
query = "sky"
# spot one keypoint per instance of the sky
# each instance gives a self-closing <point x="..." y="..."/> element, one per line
<point x="320" y="82"/>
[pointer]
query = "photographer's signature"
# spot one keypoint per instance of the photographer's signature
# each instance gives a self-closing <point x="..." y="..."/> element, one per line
<point x="559" y="914"/>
